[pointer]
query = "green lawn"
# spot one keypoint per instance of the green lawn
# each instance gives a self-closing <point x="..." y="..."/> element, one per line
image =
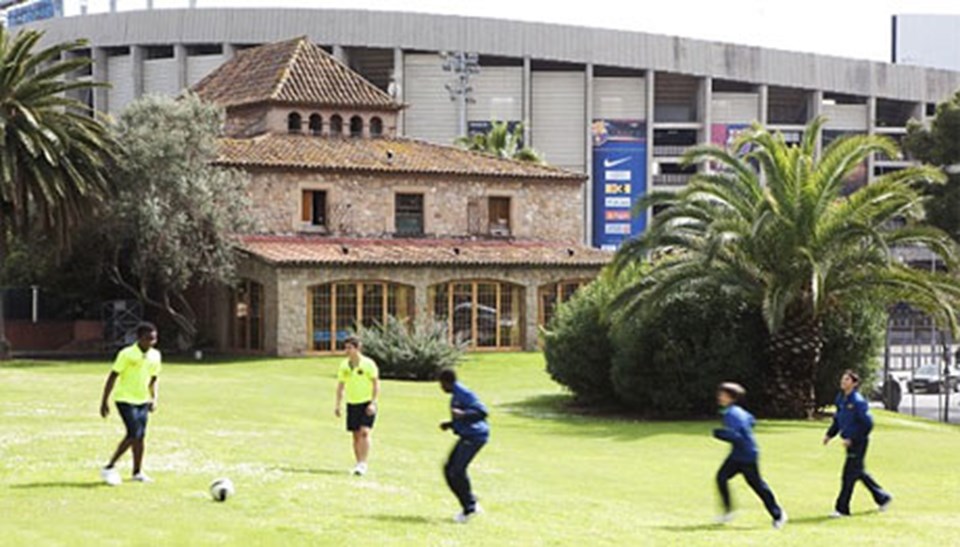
<point x="546" y="478"/>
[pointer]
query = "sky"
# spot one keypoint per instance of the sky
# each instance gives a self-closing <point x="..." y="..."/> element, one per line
<point x="848" y="28"/>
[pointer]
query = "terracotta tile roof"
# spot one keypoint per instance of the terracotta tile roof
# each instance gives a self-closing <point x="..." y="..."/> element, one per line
<point x="292" y="72"/>
<point x="304" y="250"/>
<point x="388" y="155"/>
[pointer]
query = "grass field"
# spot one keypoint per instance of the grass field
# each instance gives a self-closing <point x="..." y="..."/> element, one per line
<point x="546" y="478"/>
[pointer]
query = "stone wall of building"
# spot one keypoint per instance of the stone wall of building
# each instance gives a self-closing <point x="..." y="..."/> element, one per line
<point x="363" y="205"/>
<point x="287" y="296"/>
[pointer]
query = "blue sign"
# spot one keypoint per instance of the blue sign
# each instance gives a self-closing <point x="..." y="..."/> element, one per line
<point x="34" y="11"/>
<point x="619" y="181"/>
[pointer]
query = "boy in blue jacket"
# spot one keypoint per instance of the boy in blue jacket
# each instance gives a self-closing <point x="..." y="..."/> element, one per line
<point x="854" y="423"/>
<point x="738" y="431"/>
<point x="469" y="422"/>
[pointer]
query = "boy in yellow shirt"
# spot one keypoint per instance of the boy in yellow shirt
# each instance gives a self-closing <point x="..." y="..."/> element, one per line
<point x="360" y="378"/>
<point x="134" y="375"/>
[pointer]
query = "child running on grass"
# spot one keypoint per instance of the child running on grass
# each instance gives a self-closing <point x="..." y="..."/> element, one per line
<point x="469" y="422"/>
<point x="134" y="375"/>
<point x="738" y="431"/>
<point x="854" y="424"/>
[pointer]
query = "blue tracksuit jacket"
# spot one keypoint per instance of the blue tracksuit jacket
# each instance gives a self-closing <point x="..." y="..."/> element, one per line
<point x="852" y="420"/>
<point x="738" y="431"/>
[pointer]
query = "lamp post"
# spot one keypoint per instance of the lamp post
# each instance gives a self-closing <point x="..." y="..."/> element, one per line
<point x="463" y="65"/>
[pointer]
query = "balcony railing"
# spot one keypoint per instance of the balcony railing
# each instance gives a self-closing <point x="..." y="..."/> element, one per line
<point x="671" y="179"/>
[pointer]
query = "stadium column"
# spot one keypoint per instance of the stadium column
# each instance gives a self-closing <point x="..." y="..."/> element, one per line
<point x="706" y="114"/>
<point x="651" y="80"/>
<point x="229" y="50"/>
<point x="763" y="103"/>
<point x="588" y="155"/>
<point x="339" y="53"/>
<point x="814" y="109"/>
<point x="100" y="75"/>
<point x="527" y="99"/>
<point x="136" y="68"/>
<point x="871" y="129"/>
<point x="398" y="87"/>
<point x="180" y="56"/>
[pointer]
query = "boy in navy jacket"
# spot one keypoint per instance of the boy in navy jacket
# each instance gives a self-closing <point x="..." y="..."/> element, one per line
<point x="469" y="422"/>
<point x="854" y="424"/>
<point x="738" y="431"/>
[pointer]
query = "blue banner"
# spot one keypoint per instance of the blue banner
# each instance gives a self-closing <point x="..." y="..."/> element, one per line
<point x="34" y="11"/>
<point x="619" y="181"/>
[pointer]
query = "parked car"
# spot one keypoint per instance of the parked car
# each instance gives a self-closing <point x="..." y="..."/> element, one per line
<point x="931" y="378"/>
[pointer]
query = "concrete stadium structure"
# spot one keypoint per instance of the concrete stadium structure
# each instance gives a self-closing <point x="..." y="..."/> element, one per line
<point x="560" y="81"/>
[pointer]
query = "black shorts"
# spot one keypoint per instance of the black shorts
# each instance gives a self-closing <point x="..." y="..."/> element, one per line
<point x="357" y="417"/>
<point x="134" y="418"/>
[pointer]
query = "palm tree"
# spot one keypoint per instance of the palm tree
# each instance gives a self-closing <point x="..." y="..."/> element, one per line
<point x="502" y="142"/>
<point x="54" y="153"/>
<point x="771" y="224"/>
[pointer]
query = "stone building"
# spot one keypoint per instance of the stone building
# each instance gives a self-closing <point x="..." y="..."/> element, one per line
<point x="355" y="224"/>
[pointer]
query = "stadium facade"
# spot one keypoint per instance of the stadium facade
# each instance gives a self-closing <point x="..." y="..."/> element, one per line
<point x="589" y="98"/>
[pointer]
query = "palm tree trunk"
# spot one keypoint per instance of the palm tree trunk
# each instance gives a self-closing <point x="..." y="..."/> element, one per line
<point x="794" y="353"/>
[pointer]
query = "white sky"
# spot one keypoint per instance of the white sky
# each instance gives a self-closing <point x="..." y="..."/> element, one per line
<point x="849" y="28"/>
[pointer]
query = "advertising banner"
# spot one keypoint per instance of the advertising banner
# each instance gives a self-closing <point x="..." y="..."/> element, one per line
<point x="619" y="180"/>
<point x="34" y="11"/>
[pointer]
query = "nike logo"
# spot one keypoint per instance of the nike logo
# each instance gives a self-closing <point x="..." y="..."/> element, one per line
<point x="613" y="163"/>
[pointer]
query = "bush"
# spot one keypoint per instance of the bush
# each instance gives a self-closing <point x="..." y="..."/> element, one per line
<point x="853" y="338"/>
<point x="576" y="343"/>
<point x="410" y="352"/>
<point x="669" y="360"/>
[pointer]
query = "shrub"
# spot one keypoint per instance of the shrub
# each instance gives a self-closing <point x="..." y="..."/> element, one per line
<point x="576" y="343"/>
<point x="410" y="352"/>
<point x="669" y="360"/>
<point x="853" y="338"/>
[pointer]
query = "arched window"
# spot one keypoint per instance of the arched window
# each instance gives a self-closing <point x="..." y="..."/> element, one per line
<point x="336" y="125"/>
<point x="294" y="123"/>
<point x="246" y="325"/>
<point x="316" y="124"/>
<point x="356" y="126"/>
<point x="554" y="294"/>
<point x="376" y="126"/>
<point x="486" y="314"/>
<point x="336" y="308"/>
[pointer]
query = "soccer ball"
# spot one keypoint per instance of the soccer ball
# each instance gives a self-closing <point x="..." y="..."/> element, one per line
<point x="221" y="489"/>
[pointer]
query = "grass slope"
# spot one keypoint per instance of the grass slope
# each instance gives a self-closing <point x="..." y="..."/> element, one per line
<point x="547" y="478"/>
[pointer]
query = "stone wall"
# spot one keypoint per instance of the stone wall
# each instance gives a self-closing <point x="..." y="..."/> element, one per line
<point x="286" y="293"/>
<point x="363" y="204"/>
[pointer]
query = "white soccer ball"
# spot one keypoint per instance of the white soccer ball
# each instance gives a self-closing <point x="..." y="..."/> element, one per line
<point x="221" y="489"/>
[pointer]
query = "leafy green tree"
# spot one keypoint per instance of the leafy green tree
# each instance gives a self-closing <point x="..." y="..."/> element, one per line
<point x="783" y="237"/>
<point x="173" y="225"/>
<point x="54" y="153"/>
<point x="501" y="142"/>
<point x="939" y="145"/>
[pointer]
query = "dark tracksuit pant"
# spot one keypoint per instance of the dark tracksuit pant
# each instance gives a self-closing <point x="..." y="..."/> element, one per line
<point x="455" y="471"/>
<point x="751" y="473"/>
<point x="853" y="471"/>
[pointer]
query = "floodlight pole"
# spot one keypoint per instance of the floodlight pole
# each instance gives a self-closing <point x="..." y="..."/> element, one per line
<point x="463" y="65"/>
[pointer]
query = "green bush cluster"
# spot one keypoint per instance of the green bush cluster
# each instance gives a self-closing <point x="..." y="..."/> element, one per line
<point x="407" y="351"/>
<point x="667" y="361"/>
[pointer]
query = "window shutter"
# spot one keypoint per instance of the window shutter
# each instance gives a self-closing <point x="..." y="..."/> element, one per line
<point x="306" y="206"/>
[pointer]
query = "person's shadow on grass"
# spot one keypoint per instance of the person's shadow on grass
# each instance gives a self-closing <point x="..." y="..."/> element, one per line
<point x="715" y="527"/>
<point x="58" y="484"/>
<point x="310" y="471"/>
<point x="400" y="519"/>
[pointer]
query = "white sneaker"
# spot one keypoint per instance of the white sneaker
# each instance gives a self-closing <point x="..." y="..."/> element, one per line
<point x="463" y="518"/>
<point x="360" y="469"/>
<point x="725" y="518"/>
<point x="837" y="515"/>
<point x="780" y="522"/>
<point x="110" y="476"/>
<point x="142" y="477"/>
<point x="885" y="505"/>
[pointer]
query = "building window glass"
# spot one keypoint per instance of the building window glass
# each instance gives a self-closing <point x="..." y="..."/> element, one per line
<point x="294" y="123"/>
<point x="408" y="214"/>
<point x="376" y="127"/>
<point x="336" y="125"/>
<point x="554" y="294"/>
<point x="247" y="316"/>
<point x="499" y="216"/>
<point x="484" y="314"/>
<point x="316" y="125"/>
<point x="313" y="208"/>
<point x="356" y="126"/>
<point x="339" y="308"/>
